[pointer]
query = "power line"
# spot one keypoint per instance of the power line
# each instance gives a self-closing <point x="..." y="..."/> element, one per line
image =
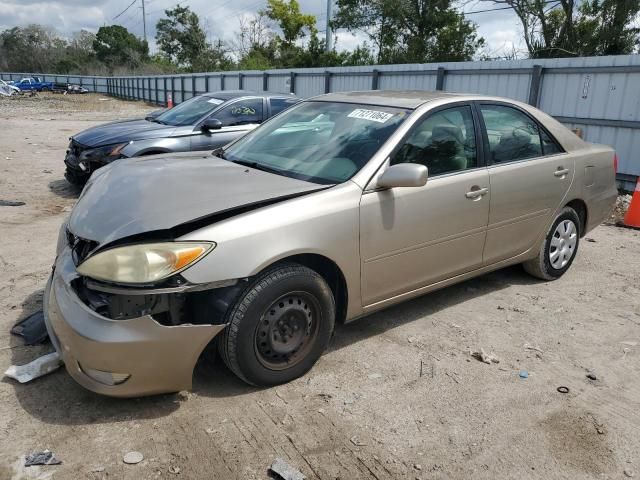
<point x="130" y="5"/>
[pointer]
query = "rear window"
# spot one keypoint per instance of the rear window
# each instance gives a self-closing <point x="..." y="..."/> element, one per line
<point x="280" y="104"/>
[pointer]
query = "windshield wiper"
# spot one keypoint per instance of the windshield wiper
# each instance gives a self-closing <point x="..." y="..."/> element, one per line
<point x="155" y="120"/>
<point x="259" y="166"/>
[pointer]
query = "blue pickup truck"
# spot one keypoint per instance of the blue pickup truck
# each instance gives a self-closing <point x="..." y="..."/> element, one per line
<point x="34" y="83"/>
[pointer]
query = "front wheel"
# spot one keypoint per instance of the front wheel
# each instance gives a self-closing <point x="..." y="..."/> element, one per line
<point x="557" y="252"/>
<point x="279" y="327"/>
<point x="74" y="177"/>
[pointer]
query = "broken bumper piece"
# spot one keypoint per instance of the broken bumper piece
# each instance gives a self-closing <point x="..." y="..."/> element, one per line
<point x="120" y="358"/>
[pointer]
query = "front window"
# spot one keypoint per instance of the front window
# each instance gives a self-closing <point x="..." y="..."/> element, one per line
<point x="189" y="112"/>
<point x="320" y="142"/>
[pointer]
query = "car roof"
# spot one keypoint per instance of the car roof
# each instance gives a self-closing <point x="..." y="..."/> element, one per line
<point x="389" y="98"/>
<point x="231" y="94"/>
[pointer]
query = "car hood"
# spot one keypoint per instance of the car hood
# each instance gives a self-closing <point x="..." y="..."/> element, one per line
<point x="162" y="192"/>
<point x="120" y="132"/>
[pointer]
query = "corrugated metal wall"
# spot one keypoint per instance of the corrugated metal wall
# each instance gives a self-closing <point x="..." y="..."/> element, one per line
<point x="600" y="95"/>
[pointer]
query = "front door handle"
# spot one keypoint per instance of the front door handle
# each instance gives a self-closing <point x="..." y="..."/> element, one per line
<point x="476" y="192"/>
<point x="561" y="172"/>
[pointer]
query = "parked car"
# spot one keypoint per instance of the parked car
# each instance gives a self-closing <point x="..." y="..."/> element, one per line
<point x="9" y="89"/>
<point x="203" y="122"/>
<point x="342" y="205"/>
<point x="34" y="83"/>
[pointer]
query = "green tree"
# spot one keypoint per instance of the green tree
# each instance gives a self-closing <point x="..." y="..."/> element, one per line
<point x="564" y="28"/>
<point x="290" y="19"/>
<point x="116" y="46"/>
<point x="406" y="31"/>
<point x="181" y="37"/>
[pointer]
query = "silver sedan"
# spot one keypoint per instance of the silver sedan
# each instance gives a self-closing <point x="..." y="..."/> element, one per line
<point x="341" y="206"/>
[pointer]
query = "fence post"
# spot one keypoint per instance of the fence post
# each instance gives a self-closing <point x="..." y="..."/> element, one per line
<point x="292" y="82"/>
<point x="193" y="85"/>
<point x="222" y="81"/>
<point x="440" y="78"/>
<point x="240" y="81"/>
<point x="327" y="81"/>
<point x="206" y="83"/>
<point x="534" y="88"/>
<point x="173" y="89"/>
<point x="265" y="81"/>
<point x="375" y="79"/>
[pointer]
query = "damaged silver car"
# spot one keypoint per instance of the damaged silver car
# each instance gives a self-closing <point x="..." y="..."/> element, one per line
<point x="342" y="205"/>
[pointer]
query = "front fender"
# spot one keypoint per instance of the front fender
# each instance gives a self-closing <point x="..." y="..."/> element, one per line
<point x="156" y="145"/>
<point x="324" y="223"/>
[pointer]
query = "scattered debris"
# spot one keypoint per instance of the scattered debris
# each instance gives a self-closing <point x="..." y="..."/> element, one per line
<point x="11" y="203"/>
<point x="523" y="374"/>
<point x="32" y="329"/>
<point x="47" y="171"/>
<point x="325" y="396"/>
<point x="174" y="469"/>
<point x="563" y="389"/>
<point x="630" y="344"/>
<point x="132" y="458"/>
<point x="35" y="369"/>
<point x="628" y="473"/>
<point x="284" y="471"/>
<point x="451" y="377"/>
<point x="357" y="442"/>
<point x="46" y="457"/>
<point x="417" y="466"/>
<point x="373" y="376"/>
<point x="531" y="347"/>
<point x="590" y="240"/>
<point x="592" y="376"/>
<point x="98" y="469"/>
<point x="485" y="357"/>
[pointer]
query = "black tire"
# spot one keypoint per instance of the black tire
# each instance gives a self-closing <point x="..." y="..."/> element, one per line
<point x="45" y="89"/>
<point x="75" y="177"/>
<point x="541" y="266"/>
<point x="253" y="343"/>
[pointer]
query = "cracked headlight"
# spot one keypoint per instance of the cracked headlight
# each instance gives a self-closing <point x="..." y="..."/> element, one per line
<point x="110" y="151"/>
<point x="143" y="263"/>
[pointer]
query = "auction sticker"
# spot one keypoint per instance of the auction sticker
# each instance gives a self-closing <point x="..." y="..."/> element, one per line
<point x="216" y="101"/>
<point x="372" y="115"/>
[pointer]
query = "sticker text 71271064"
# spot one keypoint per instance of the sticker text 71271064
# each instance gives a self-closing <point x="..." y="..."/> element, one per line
<point x="372" y="115"/>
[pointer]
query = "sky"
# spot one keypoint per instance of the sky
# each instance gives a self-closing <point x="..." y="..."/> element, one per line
<point x="221" y="18"/>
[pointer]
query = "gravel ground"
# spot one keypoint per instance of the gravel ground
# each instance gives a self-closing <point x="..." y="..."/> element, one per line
<point x="398" y="394"/>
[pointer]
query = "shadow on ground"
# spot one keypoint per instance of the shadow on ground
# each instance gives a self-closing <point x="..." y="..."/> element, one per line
<point x="64" y="189"/>
<point x="56" y="398"/>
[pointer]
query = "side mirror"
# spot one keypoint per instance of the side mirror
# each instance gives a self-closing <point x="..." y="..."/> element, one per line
<point x="211" y="124"/>
<point x="403" y="175"/>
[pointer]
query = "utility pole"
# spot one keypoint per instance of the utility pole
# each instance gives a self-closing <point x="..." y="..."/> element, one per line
<point x="328" y="36"/>
<point x="144" y="22"/>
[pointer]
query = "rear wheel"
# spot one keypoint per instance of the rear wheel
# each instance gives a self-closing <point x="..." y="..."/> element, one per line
<point x="559" y="248"/>
<point x="279" y="327"/>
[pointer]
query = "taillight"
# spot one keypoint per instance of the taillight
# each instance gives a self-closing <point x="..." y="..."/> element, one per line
<point x="615" y="162"/>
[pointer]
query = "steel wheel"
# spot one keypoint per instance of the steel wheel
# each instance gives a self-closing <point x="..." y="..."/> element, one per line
<point x="563" y="244"/>
<point x="286" y="330"/>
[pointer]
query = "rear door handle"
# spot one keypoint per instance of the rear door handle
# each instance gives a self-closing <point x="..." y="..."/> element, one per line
<point x="561" y="172"/>
<point x="477" y="193"/>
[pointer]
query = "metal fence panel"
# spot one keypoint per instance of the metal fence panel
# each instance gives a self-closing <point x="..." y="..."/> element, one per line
<point x="600" y="95"/>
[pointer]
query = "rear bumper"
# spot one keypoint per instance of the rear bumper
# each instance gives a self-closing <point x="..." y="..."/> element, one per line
<point x="157" y="358"/>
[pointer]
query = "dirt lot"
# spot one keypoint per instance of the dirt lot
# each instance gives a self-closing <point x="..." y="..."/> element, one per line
<point x="397" y="396"/>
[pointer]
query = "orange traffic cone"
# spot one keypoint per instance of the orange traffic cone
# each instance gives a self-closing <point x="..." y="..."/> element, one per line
<point x="170" y="102"/>
<point x="632" y="217"/>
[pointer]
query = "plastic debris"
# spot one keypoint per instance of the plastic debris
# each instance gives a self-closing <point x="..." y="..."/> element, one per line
<point x="32" y="329"/>
<point x="11" y="203"/>
<point x="174" y="469"/>
<point x="563" y="389"/>
<point x="592" y="376"/>
<point x="485" y="357"/>
<point x="132" y="458"/>
<point x="284" y="471"/>
<point x="524" y="374"/>
<point x="35" y="369"/>
<point x="45" y="457"/>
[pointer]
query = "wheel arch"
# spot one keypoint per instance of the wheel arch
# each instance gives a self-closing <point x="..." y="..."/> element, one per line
<point x="580" y="207"/>
<point x="151" y="151"/>
<point x="329" y="271"/>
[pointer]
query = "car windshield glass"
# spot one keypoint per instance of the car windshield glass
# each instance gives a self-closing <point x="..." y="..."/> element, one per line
<point x="320" y="142"/>
<point x="190" y="111"/>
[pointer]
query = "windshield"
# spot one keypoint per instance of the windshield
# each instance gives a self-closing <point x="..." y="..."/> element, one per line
<point x="320" y="142"/>
<point x="189" y="112"/>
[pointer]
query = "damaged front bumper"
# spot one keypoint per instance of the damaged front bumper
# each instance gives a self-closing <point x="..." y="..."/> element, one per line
<point x="120" y="358"/>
